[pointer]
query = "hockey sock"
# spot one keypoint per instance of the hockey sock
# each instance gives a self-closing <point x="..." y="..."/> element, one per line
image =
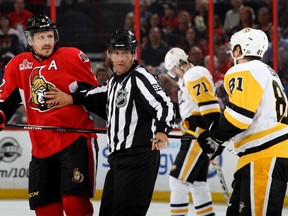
<point x="202" y="198"/>
<point x="179" y="198"/>
<point x="55" y="209"/>
<point x="77" y="205"/>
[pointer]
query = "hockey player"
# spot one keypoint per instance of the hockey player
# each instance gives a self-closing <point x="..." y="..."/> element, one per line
<point x="198" y="107"/>
<point x="256" y="116"/>
<point x="138" y="110"/>
<point x="62" y="170"/>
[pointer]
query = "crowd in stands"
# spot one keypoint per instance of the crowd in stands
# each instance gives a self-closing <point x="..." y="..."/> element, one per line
<point x="167" y="24"/>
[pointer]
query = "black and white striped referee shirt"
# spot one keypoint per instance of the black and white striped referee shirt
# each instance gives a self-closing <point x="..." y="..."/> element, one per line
<point x="136" y="106"/>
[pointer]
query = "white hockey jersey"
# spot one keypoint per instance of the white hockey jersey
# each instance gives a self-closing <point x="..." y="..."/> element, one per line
<point x="257" y="107"/>
<point x="196" y="94"/>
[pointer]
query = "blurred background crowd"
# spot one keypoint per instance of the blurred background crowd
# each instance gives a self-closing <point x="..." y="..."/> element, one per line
<point x="87" y="24"/>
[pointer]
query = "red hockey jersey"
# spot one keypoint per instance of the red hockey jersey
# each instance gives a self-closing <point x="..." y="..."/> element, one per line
<point x="65" y="69"/>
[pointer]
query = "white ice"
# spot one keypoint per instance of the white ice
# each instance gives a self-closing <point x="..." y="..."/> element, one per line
<point x="21" y="208"/>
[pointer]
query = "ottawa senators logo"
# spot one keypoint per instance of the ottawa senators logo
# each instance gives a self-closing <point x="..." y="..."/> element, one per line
<point x="39" y="86"/>
<point x="77" y="176"/>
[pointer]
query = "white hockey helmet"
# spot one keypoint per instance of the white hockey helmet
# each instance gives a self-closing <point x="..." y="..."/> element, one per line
<point x="173" y="58"/>
<point x="253" y="42"/>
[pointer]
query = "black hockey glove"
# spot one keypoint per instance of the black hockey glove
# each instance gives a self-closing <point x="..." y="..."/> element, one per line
<point x="211" y="146"/>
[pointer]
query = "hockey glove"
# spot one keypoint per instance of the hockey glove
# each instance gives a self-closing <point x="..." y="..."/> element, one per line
<point x="2" y="120"/>
<point x="212" y="147"/>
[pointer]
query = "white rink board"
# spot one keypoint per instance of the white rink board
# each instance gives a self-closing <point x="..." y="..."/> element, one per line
<point x="15" y="154"/>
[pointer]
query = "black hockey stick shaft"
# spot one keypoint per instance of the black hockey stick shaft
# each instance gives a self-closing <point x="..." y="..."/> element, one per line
<point x="52" y="128"/>
<point x="75" y="130"/>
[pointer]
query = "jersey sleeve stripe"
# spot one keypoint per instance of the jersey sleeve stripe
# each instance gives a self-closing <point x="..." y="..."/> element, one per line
<point x="212" y="110"/>
<point x="240" y="110"/>
<point x="260" y="137"/>
<point x="162" y="104"/>
<point x="238" y="120"/>
<point x="208" y="103"/>
<point x="264" y="145"/>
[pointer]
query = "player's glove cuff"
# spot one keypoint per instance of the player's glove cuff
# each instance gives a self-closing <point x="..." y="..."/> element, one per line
<point x="2" y="120"/>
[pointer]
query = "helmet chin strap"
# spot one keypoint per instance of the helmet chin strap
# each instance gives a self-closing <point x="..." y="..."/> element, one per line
<point x="236" y="58"/>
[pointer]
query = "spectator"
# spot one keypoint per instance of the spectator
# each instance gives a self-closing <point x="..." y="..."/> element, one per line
<point x="281" y="10"/>
<point x="154" y="51"/>
<point x="169" y="21"/>
<point x="19" y="17"/>
<point x="170" y="86"/>
<point x="232" y="17"/>
<point x="106" y="62"/>
<point x="219" y="38"/>
<point x="190" y="40"/>
<point x="247" y="17"/>
<point x="178" y="34"/>
<point x="200" y="18"/>
<point x="102" y="74"/>
<point x="129" y="22"/>
<point x="9" y="38"/>
<point x="223" y="59"/>
<point x="217" y="22"/>
<point x="268" y="56"/>
<point x="264" y="21"/>
<point x="195" y="56"/>
<point x="215" y="73"/>
<point x="282" y="67"/>
<point x="144" y="13"/>
<point x="218" y="79"/>
<point x="154" y="21"/>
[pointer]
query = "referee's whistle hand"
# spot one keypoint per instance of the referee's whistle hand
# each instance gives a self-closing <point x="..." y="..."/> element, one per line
<point x="160" y="141"/>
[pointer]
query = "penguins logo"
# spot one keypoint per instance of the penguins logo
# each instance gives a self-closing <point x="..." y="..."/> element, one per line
<point x="77" y="176"/>
<point x="241" y="207"/>
<point x="39" y="87"/>
<point x="121" y="98"/>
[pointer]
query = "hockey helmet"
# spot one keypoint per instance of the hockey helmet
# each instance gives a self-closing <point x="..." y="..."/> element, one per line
<point x="253" y="42"/>
<point x="39" y="23"/>
<point x="174" y="57"/>
<point x="122" y="40"/>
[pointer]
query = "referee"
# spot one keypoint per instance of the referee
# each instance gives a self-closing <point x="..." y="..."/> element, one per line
<point x="139" y="115"/>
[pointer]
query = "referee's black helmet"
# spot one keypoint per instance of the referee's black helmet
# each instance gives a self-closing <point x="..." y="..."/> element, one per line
<point x="122" y="40"/>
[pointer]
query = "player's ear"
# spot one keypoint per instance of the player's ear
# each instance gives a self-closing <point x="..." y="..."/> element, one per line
<point x="134" y="53"/>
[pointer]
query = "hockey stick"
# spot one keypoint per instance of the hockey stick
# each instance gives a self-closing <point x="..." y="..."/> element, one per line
<point x="52" y="128"/>
<point x="193" y="133"/>
<point x="215" y="164"/>
<point x="75" y="130"/>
